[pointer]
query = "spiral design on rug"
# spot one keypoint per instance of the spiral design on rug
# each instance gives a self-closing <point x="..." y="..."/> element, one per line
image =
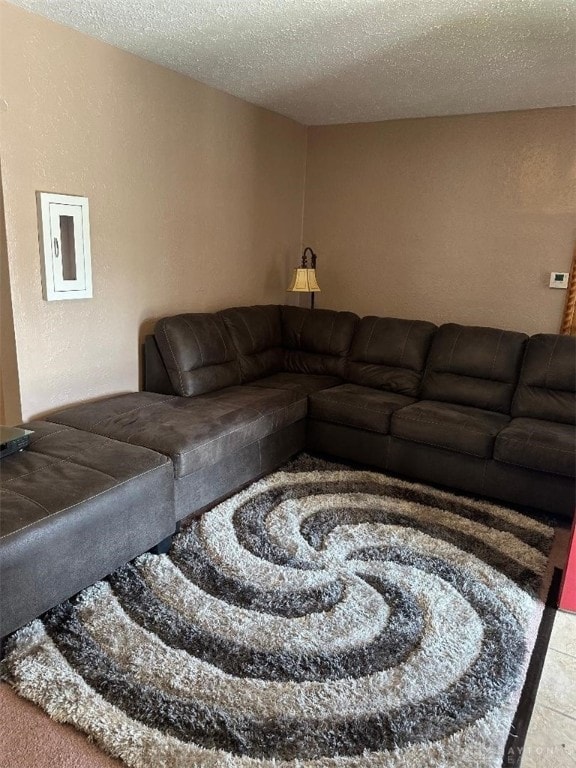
<point x="322" y="617"/>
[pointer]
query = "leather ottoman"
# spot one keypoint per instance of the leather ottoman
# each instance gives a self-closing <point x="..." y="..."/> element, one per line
<point x="74" y="507"/>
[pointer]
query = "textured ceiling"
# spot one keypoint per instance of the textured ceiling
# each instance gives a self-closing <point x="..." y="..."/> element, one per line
<point x="340" y="61"/>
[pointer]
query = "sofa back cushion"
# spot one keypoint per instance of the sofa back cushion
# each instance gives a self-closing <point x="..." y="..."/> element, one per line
<point x="316" y="341"/>
<point x="548" y="379"/>
<point x="256" y="333"/>
<point x="197" y="352"/>
<point x="474" y="366"/>
<point x="389" y="353"/>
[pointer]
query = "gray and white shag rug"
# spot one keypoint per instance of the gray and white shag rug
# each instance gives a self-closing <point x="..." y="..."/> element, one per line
<point x="324" y="617"/>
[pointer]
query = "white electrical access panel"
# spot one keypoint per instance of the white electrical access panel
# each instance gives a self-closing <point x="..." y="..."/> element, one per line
<point x="65" y="246"/>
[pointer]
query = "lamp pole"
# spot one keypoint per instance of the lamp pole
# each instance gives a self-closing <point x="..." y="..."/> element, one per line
<point x="312" y="265"/>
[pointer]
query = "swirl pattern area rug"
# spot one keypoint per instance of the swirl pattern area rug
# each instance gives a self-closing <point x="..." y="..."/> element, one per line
<point x="324" y="617"/>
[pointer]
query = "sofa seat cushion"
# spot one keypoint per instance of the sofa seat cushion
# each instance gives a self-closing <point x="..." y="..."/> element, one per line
<point x="546" y="446"/>
<point x="192" y="431"/>
<point x="353" y="405"/>
<point x="301" y="383"/>
<point x="455" y="427"/>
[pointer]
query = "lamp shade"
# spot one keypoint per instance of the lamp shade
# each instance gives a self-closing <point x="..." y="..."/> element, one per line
<point x="304" y="280"/>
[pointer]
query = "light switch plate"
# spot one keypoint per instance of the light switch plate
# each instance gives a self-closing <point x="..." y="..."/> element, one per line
<point x="559" y="279"/>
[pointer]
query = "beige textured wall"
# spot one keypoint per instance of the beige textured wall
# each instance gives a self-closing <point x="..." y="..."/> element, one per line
<point x="195" y="202"/>
<point x="447" y="219"/>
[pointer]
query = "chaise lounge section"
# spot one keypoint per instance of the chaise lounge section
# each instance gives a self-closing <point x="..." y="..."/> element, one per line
<point x="216" y="442"/>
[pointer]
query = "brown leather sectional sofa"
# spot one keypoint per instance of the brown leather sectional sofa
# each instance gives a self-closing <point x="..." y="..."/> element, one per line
<point x="230" y="396"/>
<point x="481" y="410"/>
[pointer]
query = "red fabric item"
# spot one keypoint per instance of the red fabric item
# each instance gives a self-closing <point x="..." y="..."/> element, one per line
<point x="568" y="589"/>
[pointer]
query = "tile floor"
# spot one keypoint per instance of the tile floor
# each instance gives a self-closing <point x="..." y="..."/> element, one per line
<point x="551" y="739"/>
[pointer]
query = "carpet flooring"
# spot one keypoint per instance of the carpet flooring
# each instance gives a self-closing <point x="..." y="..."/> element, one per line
<point x="322" y="617"/>
<point x="31" y="739"/>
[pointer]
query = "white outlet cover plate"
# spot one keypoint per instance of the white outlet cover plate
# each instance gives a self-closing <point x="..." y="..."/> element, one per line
<point x="559" y="279"/>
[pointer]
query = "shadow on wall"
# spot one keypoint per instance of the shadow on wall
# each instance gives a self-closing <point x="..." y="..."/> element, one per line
<point x="260" y="201"/>
<point x="10" y="407"/>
